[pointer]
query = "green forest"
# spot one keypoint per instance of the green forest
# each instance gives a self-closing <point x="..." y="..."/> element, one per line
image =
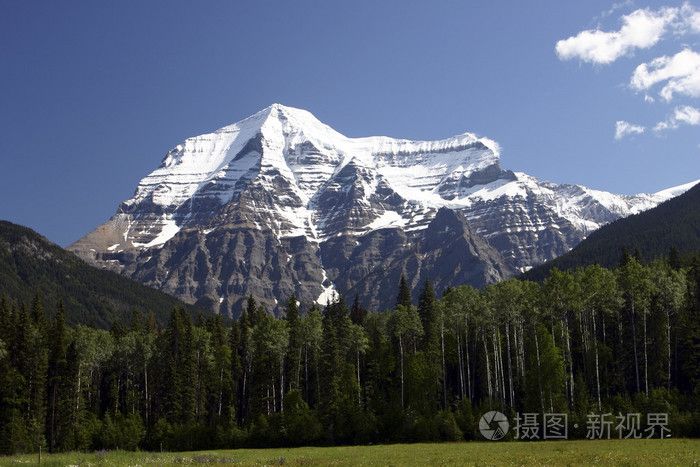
<point x="590" y="341"/>
<point x="29" y="263"/>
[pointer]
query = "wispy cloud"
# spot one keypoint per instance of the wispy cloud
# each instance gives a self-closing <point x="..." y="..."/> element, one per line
<point x="615" y="7"/>
<point x="682" y="115"/>
<point x="623" y="129"/>
<point x="681" y="73"/>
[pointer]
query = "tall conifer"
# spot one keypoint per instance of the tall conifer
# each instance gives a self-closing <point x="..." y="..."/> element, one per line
<point x="404" y="296"/>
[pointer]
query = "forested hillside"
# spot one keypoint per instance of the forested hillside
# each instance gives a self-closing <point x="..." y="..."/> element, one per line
<point x="675" y="222"/>
<point x="29" y="264"/>
<point x="590" y="341"/>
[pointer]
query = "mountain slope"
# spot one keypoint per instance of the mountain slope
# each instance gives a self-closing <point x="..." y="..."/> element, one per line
<point x="30" y="263"/>
<point x="675" y="222"/>
<point x="280" y="203"/>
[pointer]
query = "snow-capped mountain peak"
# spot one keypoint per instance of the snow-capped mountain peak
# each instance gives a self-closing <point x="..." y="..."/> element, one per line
<point x="283" y="142"/>
<point x="302" y="187"/>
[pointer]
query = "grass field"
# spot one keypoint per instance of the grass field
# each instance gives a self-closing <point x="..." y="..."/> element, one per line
<point x="598" y="452"/>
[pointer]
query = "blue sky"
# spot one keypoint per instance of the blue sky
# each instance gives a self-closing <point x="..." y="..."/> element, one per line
<point x="93" y="94"/>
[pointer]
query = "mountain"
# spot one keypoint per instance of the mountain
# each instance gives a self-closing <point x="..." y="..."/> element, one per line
<point x="280" y="203"/>
<point x="675" y="222"/>
<point x="30" y="263"/>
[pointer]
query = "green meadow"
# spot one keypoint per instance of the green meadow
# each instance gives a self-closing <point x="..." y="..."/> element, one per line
<point x="583" y="452"/>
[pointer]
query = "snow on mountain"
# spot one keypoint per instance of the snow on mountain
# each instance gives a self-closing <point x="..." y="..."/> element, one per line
<point x="210" y="170"/>
<point x="284" y="172"/>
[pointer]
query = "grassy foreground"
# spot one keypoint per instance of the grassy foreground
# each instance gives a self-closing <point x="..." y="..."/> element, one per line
<point x="584" y="452"/>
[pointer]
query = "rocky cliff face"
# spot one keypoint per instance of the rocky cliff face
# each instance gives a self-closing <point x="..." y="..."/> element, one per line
<point x="281" y="203"/>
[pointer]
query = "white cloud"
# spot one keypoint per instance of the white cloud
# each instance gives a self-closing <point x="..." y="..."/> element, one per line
<point x="623" y="128"/>
<point x="690" y="20"/>
<point x="680" y="73"/>
<point x="640" y="29"/>
<point x="688" y="115"/>
<point x="663" y="79"/>
<point x="682" y="115"/>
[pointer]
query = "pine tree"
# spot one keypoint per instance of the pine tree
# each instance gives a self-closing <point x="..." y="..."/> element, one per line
<point x="57" y="370"/>
<point x="203" y="359"/>
<point x="70" y="408"/>
<point x="312" y="335"/>
<point x="38" y="316"/>
<point x="136" y="324"/>
<point x="358" y="313"/>
<point x="625" y="256"/>
<point x="404" y="296"/>
<point x="674" y="258"/>
<point x="6" y="325"/>
<point x="426" y="311"/>
<point x="251" y="310"/>
<point x="34" y="361"/>
<point x="179" y="385"/>
<point x="22" y="407"/>
<point x="245" y="357"/>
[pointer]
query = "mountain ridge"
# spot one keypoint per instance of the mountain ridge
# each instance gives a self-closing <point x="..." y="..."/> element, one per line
<point x="673" y="223"/>
<point x="29" y="263"/>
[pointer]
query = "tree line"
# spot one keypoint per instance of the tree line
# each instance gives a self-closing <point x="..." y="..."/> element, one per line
<point x="591" y="341"/>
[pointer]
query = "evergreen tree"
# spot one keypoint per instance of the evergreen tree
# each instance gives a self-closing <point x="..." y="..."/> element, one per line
<point x="236" y="369"/>
<point x="203" y="378"/>
<point x="70" y="409"/>
<point x="339" y="391"/>
<point x="379" y="387"/>
<point x="178" y="384"/>
<point x="38" y="316"/>
<point x="578" y="344"/>
<point x="358" y="313"/>
<point x="625" y="256"/>
<point x="57" y="370"/>
<point x="245" y="357"/>
<point x="293" y="360"/>
<point x="404" y="296"/>
<point x="312" y="335"/>
<point x="426" y="311"/>
<point x="136" y="321"/>
<point x="251" y="310"/>
<point x="689" y="338"/>
<point x="6" y="321"/>
<point x="674" y="258"/>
